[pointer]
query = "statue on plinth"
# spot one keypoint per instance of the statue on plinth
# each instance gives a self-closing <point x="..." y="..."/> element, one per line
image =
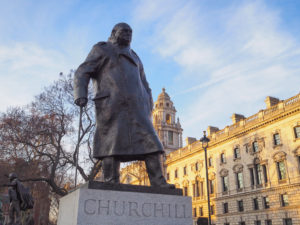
<point x="123" y="103"/>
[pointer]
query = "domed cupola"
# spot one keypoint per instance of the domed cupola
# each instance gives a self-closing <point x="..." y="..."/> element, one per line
<point x="164" y="120"/>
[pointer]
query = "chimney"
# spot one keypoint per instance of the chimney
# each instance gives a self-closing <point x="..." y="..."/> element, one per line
<point x="270" y="101"/>
<point x="237" y="117"/>
<point x="190" y="140"/>
<point x="211" y="130"/>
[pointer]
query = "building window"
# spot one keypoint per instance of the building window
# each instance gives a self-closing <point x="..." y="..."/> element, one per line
<point x="196" y="166"/>
<point x="239" y="179"/>
<point x="212" y="210"/>
<point x="195" y="212"/>
<point x="240" y="206"/>
<point x="225" y="207"/>
<point x="201" y="189"/>
<point x="268" y="222"/>
<point x="168" y="119"/>
<point x="168" y="176"/>
<point x="255" y="146"/>
<point x="211" y="187"/>
<point x="167" y="104"/>
<point x="200" y="211"/>
<point x="255" y="204"/>
<point x="184" y="171"/>
<point x="297" y="131"/>
<point x="264" y="167"/>
<point x="237" y="154"/>
<point x="281" y="170"/>
<point x="176" y="173"/>
<point x="258" y="173"/>
<point x="276" y="138"/>
<point x="210" y="161"/>
<point x="225" y="183"/>
<point x="197" y="188"/>
<point x="242" y="223"/>
<point x="194" y="190"/>
<point x="170" y="137"/>
<point x="185" y="191"/>
<point x="257" y="222"/>
<point x="223" y="159"/>
<point x="284" y="200"/>
<point x="226" y="223"/>
<point x="251" y="176"/>
<point x="266" y="202"/>
<point x="287" y="221"/>
<point x="160" y="104"/>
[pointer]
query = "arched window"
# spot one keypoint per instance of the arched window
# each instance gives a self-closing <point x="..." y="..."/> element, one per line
<point x="168" y="119"/>
<point x="280" y="159"/>
<point x="238" y="170"/>
<point x="224" y="178"/>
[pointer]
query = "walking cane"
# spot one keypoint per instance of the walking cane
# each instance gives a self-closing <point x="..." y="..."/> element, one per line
<point x="78" y="143"/>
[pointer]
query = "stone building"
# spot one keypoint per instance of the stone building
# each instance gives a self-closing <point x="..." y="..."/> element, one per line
<point x="253" y="166"/>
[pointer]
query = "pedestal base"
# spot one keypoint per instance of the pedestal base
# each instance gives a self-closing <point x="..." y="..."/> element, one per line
<point x="124" y="206"/>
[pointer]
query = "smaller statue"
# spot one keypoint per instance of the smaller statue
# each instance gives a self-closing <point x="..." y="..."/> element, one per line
<point x="20" y="198"/>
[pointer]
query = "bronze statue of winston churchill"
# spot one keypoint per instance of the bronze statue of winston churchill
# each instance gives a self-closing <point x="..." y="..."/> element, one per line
<point x="123" y="102"/>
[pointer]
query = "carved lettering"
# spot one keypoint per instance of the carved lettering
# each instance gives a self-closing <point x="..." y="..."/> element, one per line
<point x="135" y="209"/>
<point x="157" y="209"/>
<point x="133" y="206"/>
<point x="115" y="209"/>
<point x="105" y="207"/>
<point x="149" y="209"/>
<point x="177" y="215"/>
<point x="85" y="207"/>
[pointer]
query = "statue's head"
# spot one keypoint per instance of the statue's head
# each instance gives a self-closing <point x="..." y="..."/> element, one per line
<point x="121" y="34"/>
<point x="12" y="176"/>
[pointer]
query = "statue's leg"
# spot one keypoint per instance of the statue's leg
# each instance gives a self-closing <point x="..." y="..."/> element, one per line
<point x="111" y="169"/>
<point x="18" y="213"/>
<point x="11" y="214"/>
<point x="154" y="171"/>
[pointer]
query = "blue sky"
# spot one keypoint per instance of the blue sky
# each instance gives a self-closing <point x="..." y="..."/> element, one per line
<point x="214" y="57"/>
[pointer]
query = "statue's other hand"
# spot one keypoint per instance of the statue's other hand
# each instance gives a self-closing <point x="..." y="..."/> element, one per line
<point x="81" y="102"/>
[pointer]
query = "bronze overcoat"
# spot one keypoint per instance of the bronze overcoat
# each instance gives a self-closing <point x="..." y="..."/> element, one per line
<point x="123" y="102"/>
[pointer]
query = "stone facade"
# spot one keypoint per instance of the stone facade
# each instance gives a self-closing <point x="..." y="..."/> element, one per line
<point x="254" y="168"/>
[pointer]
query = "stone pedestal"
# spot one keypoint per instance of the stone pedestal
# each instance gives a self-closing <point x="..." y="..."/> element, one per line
<point x="97" y="203"/>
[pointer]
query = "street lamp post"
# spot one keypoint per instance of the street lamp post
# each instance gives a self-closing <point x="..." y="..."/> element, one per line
<point x="205" y="141"/>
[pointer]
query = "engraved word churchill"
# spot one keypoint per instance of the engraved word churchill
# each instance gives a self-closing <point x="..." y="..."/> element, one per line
<point x="136" y="209"/>
<point x="123" y="102"/>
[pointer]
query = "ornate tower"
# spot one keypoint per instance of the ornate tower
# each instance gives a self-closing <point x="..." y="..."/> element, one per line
<point x="164" y="120"/>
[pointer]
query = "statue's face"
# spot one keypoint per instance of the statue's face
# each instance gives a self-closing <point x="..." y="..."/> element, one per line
<point x="123" y="35"/>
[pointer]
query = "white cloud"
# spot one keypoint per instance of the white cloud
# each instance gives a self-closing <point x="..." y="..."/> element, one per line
<point x="25" y="68"/>
<point x="230" y="59"/>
